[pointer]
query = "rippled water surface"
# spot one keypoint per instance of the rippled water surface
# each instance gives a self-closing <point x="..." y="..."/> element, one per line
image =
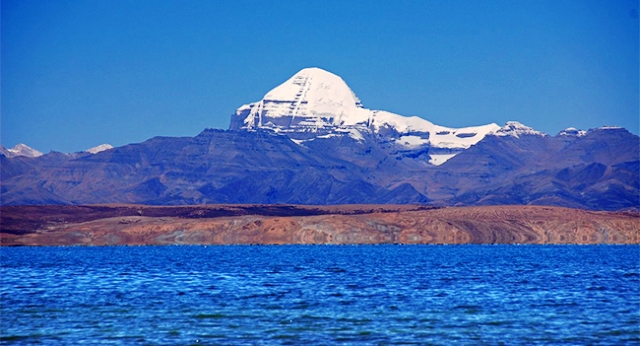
<point x="321" y="295"/>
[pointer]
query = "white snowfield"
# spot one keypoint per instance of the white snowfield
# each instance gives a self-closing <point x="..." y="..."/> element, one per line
<point x="314" y="99"/>
<point x="438" y="159"/>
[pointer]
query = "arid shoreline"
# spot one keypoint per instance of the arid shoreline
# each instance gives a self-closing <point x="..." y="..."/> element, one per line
<point x="292" y="224"/>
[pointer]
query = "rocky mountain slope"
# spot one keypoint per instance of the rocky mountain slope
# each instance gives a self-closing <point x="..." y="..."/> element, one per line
<point x="596" y="171"/>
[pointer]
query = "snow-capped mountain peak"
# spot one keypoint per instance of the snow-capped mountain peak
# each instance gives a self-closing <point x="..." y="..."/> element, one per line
<point x="99" y="148"/>
<point x="572" y="132"/>
<point x="316" y="91"/>
<point x="313" y="98"/>
<point x="516" y="129"/>
<point x="315" y="102"/>
<point x="24" y="150"/>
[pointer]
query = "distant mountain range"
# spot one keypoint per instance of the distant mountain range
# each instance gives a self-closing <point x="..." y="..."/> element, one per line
<point x="311" y="141"/>
<point x="26" y="151"/>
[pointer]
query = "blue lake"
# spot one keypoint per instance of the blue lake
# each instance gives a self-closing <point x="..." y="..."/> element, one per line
<point x="295" y="295"/>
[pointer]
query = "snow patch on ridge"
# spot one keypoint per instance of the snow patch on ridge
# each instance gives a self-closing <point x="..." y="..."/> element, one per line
<point x="438" y="159"/>
<point x="99" y="148"/>
<point x="439" y="136"/>
<point x="609" y="128"/>
<point x="516" y="129"/>
<point x="355" y="134"/>
<point x="297" y="141"/>
<point x="572" y="132"/>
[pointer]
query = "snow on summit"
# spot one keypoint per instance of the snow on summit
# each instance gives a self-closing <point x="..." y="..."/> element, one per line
<point x="516" y="129"/>
<point x="311" y="98"/>
<point x="24" y="150"/>
<point x="317" y="101"/>
<point x="99" y="148"/>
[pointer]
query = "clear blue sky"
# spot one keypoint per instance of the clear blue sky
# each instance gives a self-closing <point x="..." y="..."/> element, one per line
<point x="76" y="74"/>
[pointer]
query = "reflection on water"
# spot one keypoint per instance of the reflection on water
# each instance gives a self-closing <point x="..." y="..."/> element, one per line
<point x="321" y="295"/>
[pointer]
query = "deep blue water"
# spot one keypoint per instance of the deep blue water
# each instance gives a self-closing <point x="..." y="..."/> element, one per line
<point x="321" y="295"/>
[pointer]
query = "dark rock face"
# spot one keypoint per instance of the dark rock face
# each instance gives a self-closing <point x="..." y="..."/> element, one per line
<point x="599" y="170"/>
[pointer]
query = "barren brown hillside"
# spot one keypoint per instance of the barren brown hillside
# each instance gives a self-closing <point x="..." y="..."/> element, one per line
<point x="288" y="224"/>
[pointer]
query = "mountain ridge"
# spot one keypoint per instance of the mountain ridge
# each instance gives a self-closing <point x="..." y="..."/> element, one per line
<point x="222" y="166"/>
<point x="300" y="145"/>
